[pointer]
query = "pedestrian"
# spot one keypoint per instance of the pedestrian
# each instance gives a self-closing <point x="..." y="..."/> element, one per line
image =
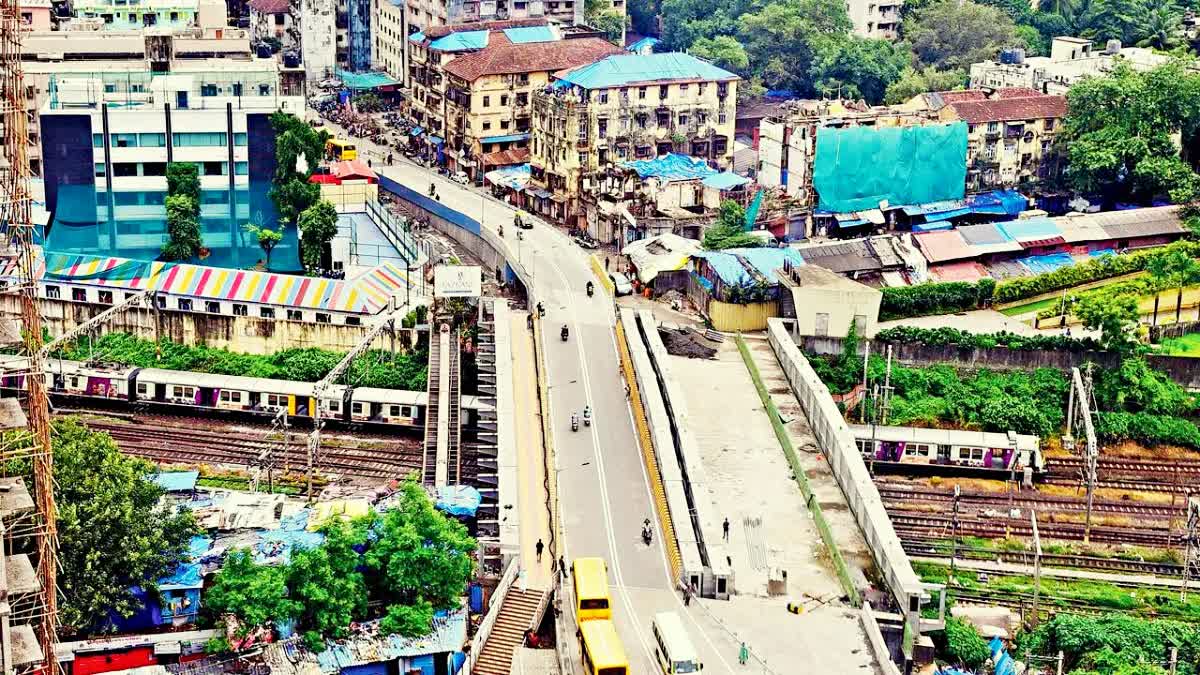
<point x="605" y="263"/>
<point x="743" y="654"/>
<point x="626" y="390"/>
<point x="687" y="596"/>
<point x="725" y="529"/>
<point x="539" y="548"/>
<point x="562" y="567"/>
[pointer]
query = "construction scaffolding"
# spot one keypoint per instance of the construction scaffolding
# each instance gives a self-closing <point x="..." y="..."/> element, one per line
<point x="28" y="598"/>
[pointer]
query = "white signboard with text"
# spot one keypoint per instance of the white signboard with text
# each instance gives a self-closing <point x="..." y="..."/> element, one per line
<point x="457" y="281"/>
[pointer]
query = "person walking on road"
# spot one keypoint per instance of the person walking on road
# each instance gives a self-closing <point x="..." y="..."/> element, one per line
<point x="725" y="529"/>
<point x="562" y="567"/>
<point x="743" y="655"/>
<point x="540" y="546"/>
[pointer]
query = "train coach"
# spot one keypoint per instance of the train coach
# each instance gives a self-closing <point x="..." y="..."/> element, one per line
<point x="911" y="450"/>
<point x="182" y="391"/>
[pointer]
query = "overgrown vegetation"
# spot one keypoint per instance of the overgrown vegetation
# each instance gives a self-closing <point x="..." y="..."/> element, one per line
<point x="1114" y="644"/>
<point x="730" y="229"/>
<point x="113" y="533"/>
<point x="376" y="368"/>
<point x="409" y="561"/>
<point x="937" y="337"/>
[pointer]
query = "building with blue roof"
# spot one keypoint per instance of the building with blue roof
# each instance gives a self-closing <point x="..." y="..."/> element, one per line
<point x="627" y="107"/>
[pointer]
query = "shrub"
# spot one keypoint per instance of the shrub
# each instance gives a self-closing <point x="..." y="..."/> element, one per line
<point x="1096" y="269"/>
<point x="1147" y="429"/>
<point x="929" y="298"/>
<point x="939" y="337"/>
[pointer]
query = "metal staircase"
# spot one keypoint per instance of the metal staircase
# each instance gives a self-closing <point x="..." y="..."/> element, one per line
<point x="433" y="386"/>
<point x="484" y="444"/>
<point x="454" y="413"/>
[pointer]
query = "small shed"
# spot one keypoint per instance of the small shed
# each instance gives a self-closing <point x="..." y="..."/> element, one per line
<point x="827" y="303"/>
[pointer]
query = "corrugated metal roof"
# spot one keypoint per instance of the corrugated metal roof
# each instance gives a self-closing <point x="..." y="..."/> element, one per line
<point x="943" y="246"/>
<point x="461" y="42"/>
<point x="528" y="34"/>
<point x="1133" y="223"/>
<point x="629" y="69"/>
<point x="987" y="233"/>
<point x="1030" y="229"/>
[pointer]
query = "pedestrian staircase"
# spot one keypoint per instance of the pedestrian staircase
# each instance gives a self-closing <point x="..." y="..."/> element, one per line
<point x="432" y="387"/>
<point x="482" y="444"/>
<point x="520" y="611"/>
<point x="453" y="414"/>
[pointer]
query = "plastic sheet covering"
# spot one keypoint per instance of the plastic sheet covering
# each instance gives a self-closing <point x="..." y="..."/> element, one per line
<point x="1040" y="264"/>
<point x="671" y="167"/>
<point x="514" y="177"/>
<point x="858" y="168"/>
<point x="458" y="500"/>
<point x="177" y="481"/>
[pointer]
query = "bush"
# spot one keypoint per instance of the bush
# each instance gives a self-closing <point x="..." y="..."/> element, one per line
<point x="961" y="644"/>
<point x="1096" y="269"/>
<point x="1147" y="429"/>
<point x="930" y="298"/>
<point x="940" y="337"/>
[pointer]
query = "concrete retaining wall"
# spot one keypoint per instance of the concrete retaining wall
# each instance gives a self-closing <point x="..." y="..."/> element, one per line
<point x="847" y="465"/>
<point x="684" y="455"/>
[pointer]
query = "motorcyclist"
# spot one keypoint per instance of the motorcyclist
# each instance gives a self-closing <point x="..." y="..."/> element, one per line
<point x="647" y="533"/>
<point x="590" y="288"/>
<point x="574" y="422"/>
<point x="587" y="413"/>
<point x="565" y="333"/>
<point x="541" y="310"/>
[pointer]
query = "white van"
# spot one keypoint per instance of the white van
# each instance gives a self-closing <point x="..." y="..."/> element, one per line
<point x="672" y="646"/>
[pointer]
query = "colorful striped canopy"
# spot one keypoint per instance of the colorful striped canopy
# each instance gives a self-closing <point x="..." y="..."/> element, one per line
<point x="366" y="295"/>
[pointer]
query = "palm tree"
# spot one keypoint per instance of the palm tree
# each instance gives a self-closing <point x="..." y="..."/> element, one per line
<point x="1177" y="269"/>
<point x="1163" y="27"/>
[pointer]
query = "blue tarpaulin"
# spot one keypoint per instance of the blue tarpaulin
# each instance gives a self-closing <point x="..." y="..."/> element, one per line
<point x="177" y="481"/>
<point x="461" y="42"/>
<point x="644" y="46"/>
<point x="728" y="264"/>
<point x="458" y="500"/>
<point x="416" y="131"/>
<point x="528" y="34"/>
<point x="671" y="167"/>
<point x="417" y="37"/>
<point x="627" y="69"/>
<point x="753" y="209"/>
<point x="998" y="202"/>
<point x="507" y="138"/>
<point x="726" y="180"/>
<point x="1101" y="253"/>
<point x="930" y="227"/>
<point x="371" y="80"/>
<point x="1039" y="264"/>
<point x="1030" y="229"/>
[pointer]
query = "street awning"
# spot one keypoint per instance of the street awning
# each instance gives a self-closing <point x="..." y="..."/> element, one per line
<point x="436" y="140"/>
<point x="416" y="131"/>
<point x="537" y="192"/>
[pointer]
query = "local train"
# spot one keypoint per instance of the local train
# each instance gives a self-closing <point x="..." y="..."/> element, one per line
<point x="122" y="386"/>
<point x="949" y="451"/>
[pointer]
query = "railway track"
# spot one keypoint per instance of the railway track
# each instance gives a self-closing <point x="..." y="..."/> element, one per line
<point x="1188" y="471"/>
<point x="199" y="441"/>
<point x="925" y="524"/>
<point x="897" y="494"/>
<point x="940" y="548"/>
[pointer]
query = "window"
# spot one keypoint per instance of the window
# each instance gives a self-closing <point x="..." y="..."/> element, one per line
<point x="239" y="309"/>
<point x="504" y="124"/>
<point x="53" y="292"/>
<point x="701" y="87"/>
<point x="125" y="140"/>
<point x="822" y="323"/>
<point x="602" y="127"/>
<point x="322" y="317"/>
<point x="276" y="400"/>
<point x="185" y="305"/>
<point x="214" y="168"/>
<point x="333" y="405"/>
<point x="487" y="101"/>
<point x="79" y="295"/>
<point x="188" y="393"/>
<point x="865" y="445"/>
<point x="161" y="301"/>
<point x="721" y="118"/>
<point x="662" y="91"/>
<point x="241" y="168"/>
<point x="100" y="169"/>
<point x="97" y="140"/>
<point x="125" y="169"/>
<point x="1049" y="124"/>
<point x="208" y="90"/>
<point x="722" y="90"/>
<point x="154" y="168"/>
<point x="266" y="312"/>
<point x="683" y="87"/>
<point x="503" y="100"/>
<point x="105" y="297"/>
<point x="236" y="89"/>
<point x="143" y="389"/>
<point x="993" y="127"/>
<point x="264" y="90"/>
<point x="198" y="139"/>
<point x="239" y="139"/>
<point x="604" y="96"/>
<point x="295" y="315"/>
<point x="353" y="321"/>
<point x="174" y="16"/>
<point x="664" y="118"/>
<point x="522" y="99"/>
<point x="487" y="125"/>
<point x="683" y="119"/>
<point x="356" y="408"/>
<point x="212" y="307"/>
<point x="860" y="324"/>
<point x="641" y="92"/>
<point x="152" y="140"/>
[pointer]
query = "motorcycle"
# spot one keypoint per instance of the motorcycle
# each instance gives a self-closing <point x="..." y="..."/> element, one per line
<point x="587" y="417"/>
<point x="574" y="423"/>
<point x="646" y="536"/>
<point x="590" y="289"/>
<point x="541" y="311"/>
<point x="564" y="334"/>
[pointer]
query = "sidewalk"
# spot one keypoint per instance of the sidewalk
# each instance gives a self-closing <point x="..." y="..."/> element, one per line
<point x="531" y="502"/>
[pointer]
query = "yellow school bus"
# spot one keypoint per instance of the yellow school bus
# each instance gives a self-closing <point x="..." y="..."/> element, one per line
<point x="603" y="653"/>
<point x="338" y="149"/>
<point x="591" y="589"/>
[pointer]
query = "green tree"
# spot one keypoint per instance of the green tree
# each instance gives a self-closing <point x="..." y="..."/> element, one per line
<point x="1124" y="20"/>
<point x="913" y="82"/>
<point x="643" y="16"/>
<point x="293" y="197"/>
<point x="113" y="532"/>
<point x="685" y="21"/>
<point x="183" y="178"/>
<point x="730" y="229"/>
<point x="1119" y="129"/>
<point x="780" y="38"/>
<point x="856" y="67"/>
<point x="1163" y="27"/>
<point x="296" y="143"/>
<point x="268" y="238"/>
<point x="318" y="227"/>
<point x="183" y="229"/>
<point x="949" y="35"/>
<point x="1115" y="316"/>
<point x="1175" y="268"/>
<point x="420" y="558"/>
<point x="723" y="51"/>
<point x="256" y="594"/>
<point x="327" y="584"/>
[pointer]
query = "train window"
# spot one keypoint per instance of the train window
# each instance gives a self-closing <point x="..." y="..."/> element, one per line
<point x="276" y="400"/>
<point x="864" y="445"/>
<point x="106" y="297"/>
<point x="393" y="411"/>
<point x="239" y="309"/>
<point x="333" y="405"/>
<point x="74" y="382"/>
<point x="212" y="307"/>
<point x="295" y="315"/>
<point x="79" y="295"/>
<point x="231" y="396"/>
<point x="183" y="392"/>
<point x="266" y="312"/>
<point x="185" y="305"/>
<point x="161" y="301"/>
<point x="322" y="317"/>
<point x="353" y="321"/>
<point x="357" y="408"/>
<point x="53" y="292"/>
<point x="143" y="389"/>
<point x="408" y="411"/>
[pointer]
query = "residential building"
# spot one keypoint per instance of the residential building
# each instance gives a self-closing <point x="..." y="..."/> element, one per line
<point x="625" y="107"/>
<point x="426" y="14"/>
<point x="111" y="198"/>
<point x="270" y="19"/>
<point x="391" y="38"/>
<point x="1071" y="59"/>
<point x="824" y="302"/>
<point x="35" y="15"/>
<point x="1010" y="136"/>
<point x="875" y="18"/>
<point x="137" y="14"/>
<point x="787" y="144"/>
<point x="488" y="110"/>
<point x="317" y="32"/>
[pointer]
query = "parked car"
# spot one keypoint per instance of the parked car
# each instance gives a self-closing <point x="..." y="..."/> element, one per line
<point x="461" y="178"/>
<point x="621" y="284"/>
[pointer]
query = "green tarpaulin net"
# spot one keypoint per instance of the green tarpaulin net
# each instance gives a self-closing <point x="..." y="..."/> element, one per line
<point x="857" y="168"/>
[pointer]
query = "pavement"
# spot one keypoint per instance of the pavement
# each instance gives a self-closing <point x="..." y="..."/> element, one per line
<point x="531" y="474"/>
<point x="602" y="485"/>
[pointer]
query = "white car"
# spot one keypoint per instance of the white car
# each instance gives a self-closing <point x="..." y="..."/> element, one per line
<point x="621" y="285"/>
<point x="460" y="178"/>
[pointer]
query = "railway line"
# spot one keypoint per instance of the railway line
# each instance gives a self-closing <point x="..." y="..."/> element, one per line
<point x="164" y="438"/>
<point x="899" y="494"/>
<point x="1188" y="471"/>
<point x="925" y="524"/>
<point x="928" y="547"/>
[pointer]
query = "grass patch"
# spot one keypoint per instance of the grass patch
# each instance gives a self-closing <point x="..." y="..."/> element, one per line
<point x="1035" y="306"/>
<point x="1186" y="345"/>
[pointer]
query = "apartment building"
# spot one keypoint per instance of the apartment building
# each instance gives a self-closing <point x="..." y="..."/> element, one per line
<point x="1071" y="59"/>
<point x="1010" y="136"/>
<point x="35" y="15"/>
<point x="270" y="19"/>
<point x="787" y="144"/>
<point x="626" y="107"/>
<point x="488" y="111"/>
<point x="119" y="15"/>
<point x="135" y="123"/>
<point x="426" y="14"/>
<point x="875" y="18"/>
<point x="390" y="37"/>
